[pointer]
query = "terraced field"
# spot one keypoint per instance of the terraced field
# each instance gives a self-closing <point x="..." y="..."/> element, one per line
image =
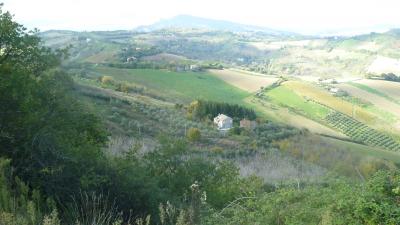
<point x="318" y="105"/>
<point x="360" y="132"/>
<point x="375" y="99"/>
<point x="287" y="116"/>
<point x="323" y="97"/>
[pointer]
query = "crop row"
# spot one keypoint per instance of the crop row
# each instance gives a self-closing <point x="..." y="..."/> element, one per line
<point x="360" y="132"/>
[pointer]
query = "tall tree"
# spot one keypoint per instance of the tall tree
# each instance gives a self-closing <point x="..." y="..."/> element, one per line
<point x="52" y="140"/>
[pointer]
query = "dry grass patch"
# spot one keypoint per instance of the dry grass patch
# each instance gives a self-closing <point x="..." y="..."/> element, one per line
<point x="392" y="89"/>
<point x="319" y="95"/>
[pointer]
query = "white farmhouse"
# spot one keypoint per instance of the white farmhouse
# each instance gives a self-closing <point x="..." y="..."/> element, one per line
<point x="131" y="59"/>
<point x="334" y="90"/>
<point x="223" y="122"/>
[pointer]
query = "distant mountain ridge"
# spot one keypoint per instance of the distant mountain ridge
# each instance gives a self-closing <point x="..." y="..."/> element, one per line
<point x="187" y="21"/>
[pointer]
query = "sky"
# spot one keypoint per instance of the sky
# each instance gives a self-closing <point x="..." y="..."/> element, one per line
<point x="303" y="16"/>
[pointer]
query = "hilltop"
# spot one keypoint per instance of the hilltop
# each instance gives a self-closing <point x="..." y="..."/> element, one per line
<point x="193" y="22"/>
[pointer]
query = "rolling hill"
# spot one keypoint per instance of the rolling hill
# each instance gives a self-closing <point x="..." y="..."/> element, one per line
<point x="193" y="22"/>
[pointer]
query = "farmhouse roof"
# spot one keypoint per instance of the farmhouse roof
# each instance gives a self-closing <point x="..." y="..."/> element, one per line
<point x="222" y="117"/>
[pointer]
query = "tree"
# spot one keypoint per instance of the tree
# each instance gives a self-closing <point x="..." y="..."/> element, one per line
<point x="53" y="142"/>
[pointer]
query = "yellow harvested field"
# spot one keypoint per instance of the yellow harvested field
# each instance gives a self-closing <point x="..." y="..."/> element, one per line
<point x="389" y="88"/>
<point x="243" y="80"/>
<point x="378" y="101"/>
<point x="321" y="96"/>
<point x="303" y="122"/>
<point x="283" y="115"/>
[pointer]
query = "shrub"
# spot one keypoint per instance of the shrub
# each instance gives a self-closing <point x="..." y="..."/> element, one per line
<point x="235" y="131"/>
<point x="194" y="134"/>
<point x="107" y="80"/>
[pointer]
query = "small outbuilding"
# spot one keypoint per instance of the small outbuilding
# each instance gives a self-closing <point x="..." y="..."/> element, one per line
<point x="131" y="59"/>
<point x="248" y="124"/>
<point x="334" y="90"/>
<point x="223" y="122"/>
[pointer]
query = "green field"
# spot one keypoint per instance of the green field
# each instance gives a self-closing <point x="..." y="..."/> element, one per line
<point x="182" y="86"/>
<point x="286" y="97"/>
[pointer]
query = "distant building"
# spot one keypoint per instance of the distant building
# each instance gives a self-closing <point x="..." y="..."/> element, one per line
<point x="223" y="122"/>
<point x="180" y="69"/>
<point x="248" y="124"/>
<point x="328" y="81"/>
<point x="194" y="67"/>
<point x="131" y="59"/>
<point x="334" y="90"/>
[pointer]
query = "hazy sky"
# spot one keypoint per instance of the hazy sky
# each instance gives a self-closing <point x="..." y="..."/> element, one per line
<point x="305" y="16"/>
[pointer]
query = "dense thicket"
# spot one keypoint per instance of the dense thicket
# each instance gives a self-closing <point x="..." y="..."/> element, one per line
<point x="208" y="109"/>
<point x="336" y="202"/>
<point x="390" y="77"/>
<point x="52" y="141"/>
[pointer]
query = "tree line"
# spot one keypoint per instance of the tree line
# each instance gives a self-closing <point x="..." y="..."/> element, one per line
<point x="201" y="109"/>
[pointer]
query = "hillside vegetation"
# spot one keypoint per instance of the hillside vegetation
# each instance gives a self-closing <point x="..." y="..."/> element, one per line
<point x="117" y="129"/>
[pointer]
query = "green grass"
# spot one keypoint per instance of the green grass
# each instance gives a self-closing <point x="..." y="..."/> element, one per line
<point x="286" y="97"/>
<point x="382" y="114"/>
<point x="185" y="86"/>
<point x="374" y="91"/>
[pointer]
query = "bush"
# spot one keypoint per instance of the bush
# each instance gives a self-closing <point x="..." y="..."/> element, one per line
<point x="107" y="80"/>
<point x="235" y="131"/>
<point x="193" y="134"/>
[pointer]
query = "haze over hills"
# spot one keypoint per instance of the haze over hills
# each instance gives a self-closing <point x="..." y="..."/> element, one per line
<point x="188" y="21"/>
<point x="194" y="121"/>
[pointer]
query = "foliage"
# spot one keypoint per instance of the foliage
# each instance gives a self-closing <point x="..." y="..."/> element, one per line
<point x="390" y="77"/>
<point x="107" y="80"/>
<point x="335" y="202"/>
<point x="53" y="142"/>
<point x="21" y="206"/>
<point x="193" y="134"/>
<point x="270" y="132"/>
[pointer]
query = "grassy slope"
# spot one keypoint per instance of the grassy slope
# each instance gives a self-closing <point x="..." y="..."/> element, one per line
<point x="286" y="97"/>
<point x="359" y="149"/>
<point x="374" y="91"/>
<point x="182" y="86"/>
